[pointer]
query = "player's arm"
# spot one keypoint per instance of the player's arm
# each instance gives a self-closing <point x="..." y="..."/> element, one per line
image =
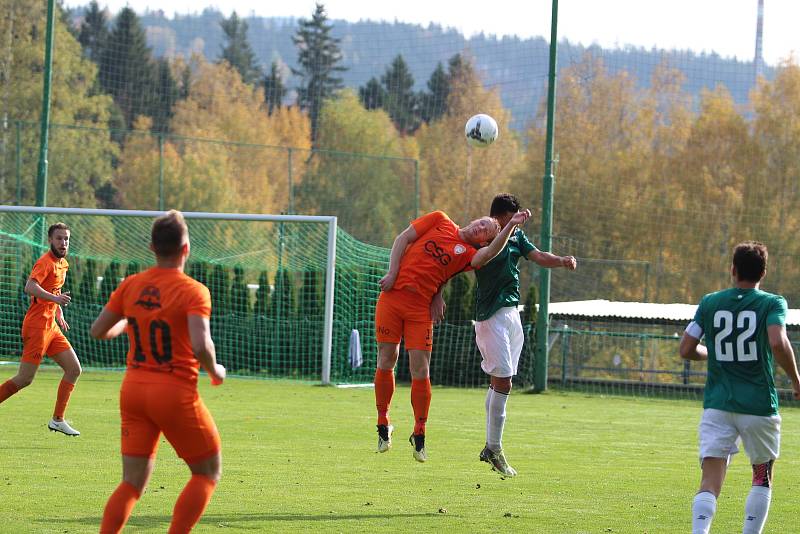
<point x="60" y="320"/>
<point x="33" y="289"/>
<point x="438" y="305"/>
<point x="690" y="347"/>
<point x="203" y="347"/>
<point x="108" y="325"/>
<point x="549" y="260"/>
<point x="784" y="354"/>
<point x="401" y="242"/>
<point x="485" y="255"/>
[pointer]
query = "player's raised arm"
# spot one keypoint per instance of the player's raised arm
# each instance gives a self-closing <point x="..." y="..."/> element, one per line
<point x="108" y="325"/>
<point x="784" y="355"/>
<point x="485" y="255"/>
<point x="401" y="242"/>
<point x="550" y="260"/>
<point x="203" y="347"/>
<point x="33" y="289"/>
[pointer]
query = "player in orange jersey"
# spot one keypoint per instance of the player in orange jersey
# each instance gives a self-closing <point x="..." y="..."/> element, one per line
<point x="424" y="256"/>
<point x="166" y="316"/>
<point x="42" y="328"/>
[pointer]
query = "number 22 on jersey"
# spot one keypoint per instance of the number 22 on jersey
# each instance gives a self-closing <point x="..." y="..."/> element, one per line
<point x="746" y="348"/>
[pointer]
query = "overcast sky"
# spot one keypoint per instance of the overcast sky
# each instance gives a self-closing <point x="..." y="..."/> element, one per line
<point x="727" y="27"/>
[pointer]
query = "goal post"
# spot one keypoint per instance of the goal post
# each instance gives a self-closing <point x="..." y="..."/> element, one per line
<point x="241" y="250"/>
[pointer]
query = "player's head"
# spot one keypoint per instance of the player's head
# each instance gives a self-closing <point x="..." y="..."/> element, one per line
<point x="749" y="261"/>
<point x="504" y="206"/>
<point x="480" y="232"/>
<point x="58" y="237"/>
<point x="170" y="236"/>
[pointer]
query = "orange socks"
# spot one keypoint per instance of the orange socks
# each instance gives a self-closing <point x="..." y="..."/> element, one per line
<point x="7" y="389"/>
<point x="384" y="390"/>
<point x="421" y="402"/>
<point x="64" y="391"/>
<point x="119" y="508"/>
<point x="191" y="504"/>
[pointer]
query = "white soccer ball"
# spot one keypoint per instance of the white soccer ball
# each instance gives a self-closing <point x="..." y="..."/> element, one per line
<point x="481" y="130"/>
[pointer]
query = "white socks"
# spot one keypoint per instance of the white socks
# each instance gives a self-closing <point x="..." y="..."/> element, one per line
<point x="756" y="509"/>
<point x="703" y="508"/>
<point x="495" y="418"/>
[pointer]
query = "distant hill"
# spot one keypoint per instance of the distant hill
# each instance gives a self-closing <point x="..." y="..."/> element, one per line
<point x="518" y="67"/>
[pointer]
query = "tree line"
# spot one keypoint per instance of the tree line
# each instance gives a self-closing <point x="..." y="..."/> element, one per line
<point x="645" y="172"/>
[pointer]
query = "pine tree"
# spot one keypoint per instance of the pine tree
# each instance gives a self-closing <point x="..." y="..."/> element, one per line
<point x="219" y="285"/>
<point x="274" y="89"/>
<point x="318" y="57"/>
<point x="237" y="50"/>
<point x="372" y="95"/>
<point x="93" y="34"/>
<point x="460" y="300"/>
<point x="531" y="301"/>
<point x="87" y="292"/>
<point x="310" y="299"/>
<point x="110" y="281"/>
<point x="433" y="103"/>
<point x="139" y="84"/>
<point x="401" y="101"/>
<point x="132" y="268"/>
<point x="283" y="301"/>
<point x="262" y="295"/>
<point x="240" y="295"/>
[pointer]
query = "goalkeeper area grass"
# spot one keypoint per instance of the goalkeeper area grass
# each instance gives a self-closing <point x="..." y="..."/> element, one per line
<point x="298" y="457"/>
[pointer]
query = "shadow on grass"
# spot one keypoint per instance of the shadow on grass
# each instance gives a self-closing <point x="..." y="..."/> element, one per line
<point x="154" y="521"/>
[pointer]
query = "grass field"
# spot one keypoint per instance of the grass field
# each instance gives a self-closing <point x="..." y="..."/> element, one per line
<point x="299" y="457"/>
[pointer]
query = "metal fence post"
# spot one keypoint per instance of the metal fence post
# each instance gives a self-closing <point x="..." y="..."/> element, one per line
<point x="161" y="171"/>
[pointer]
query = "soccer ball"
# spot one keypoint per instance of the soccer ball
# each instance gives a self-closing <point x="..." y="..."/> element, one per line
<point x="481" y="130"/>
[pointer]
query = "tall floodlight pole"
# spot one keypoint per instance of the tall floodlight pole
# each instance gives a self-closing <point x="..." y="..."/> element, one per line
<point x="41" y="176"/>
<point x="542" y="319"/>
<point x="758" y="60"/>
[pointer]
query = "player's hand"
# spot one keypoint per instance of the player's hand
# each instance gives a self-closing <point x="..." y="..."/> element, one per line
<point x="569" y="262"/>
<point x="520" y="217"/>
<point x="62" y="323"/>
<point x="218" y="376"/>
<point x="63" y="299"/>
<point x="387" y="282"/>
<point x="438" y="307"/>
<point x="796" y="390"/>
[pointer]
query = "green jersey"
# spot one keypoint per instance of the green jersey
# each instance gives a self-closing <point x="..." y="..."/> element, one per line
<point x="498" y="280"/>
<point x="740" y="376"/>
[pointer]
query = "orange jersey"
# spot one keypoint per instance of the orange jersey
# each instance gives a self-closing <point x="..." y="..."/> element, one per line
<point x="50" y="273"/>
<point x="156" y="303"/>
<point x="437" y="255"/>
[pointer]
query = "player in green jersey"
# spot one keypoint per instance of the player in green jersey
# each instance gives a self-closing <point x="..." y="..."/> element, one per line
<point x="744" y="329"/>
<point x="498" y="330"/>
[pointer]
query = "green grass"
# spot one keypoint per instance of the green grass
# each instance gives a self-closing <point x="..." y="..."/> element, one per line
<point x="299" y="457"/>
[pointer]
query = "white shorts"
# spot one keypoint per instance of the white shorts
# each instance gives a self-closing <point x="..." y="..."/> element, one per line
<point x="720" y="430"/>
<point x="500" y="339"/>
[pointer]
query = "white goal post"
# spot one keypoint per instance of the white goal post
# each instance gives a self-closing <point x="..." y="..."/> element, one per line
<point x="330" y="221"/>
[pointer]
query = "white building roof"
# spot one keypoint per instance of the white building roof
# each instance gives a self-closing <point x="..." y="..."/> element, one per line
<point x="596" y="309"/>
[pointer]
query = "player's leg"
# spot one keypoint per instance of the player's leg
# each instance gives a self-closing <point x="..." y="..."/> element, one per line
<point x="66" y="358"/>
<point x="188" y="426"/>
<point x="500" y="340"/>
<point x="139" y="443"/>
<point x="419" y="362"/>
<point x="761" y="438"/>
<point x="33" y="347"/>
<point x="388" y="330"/>
<point x="136" y="471"/>
<point x="196" y="494"/>
<point x="717" y="436"/>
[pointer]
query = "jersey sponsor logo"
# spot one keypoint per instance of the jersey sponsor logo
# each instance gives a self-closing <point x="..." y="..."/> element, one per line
<point x="437" y="252"/>
<point x="149" y="298"/>
<point x="459" y="249"/>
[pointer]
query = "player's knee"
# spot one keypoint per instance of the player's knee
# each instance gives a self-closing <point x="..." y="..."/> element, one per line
<point x="501" y="384"/>
<point x="23" y="381"/>
<point x="762" y="474"/>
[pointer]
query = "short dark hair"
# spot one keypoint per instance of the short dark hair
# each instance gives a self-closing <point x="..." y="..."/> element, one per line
<point x="56" y="226"/>
<point x="169" y="233"/>
<point x="750" y="259"/>
<point x="504" y="203"/>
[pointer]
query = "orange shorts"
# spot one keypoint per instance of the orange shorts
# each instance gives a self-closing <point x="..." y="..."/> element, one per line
<point x="173" y="407"/>
<point x="36" y="342"/>
<point x="402" y="314"/>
